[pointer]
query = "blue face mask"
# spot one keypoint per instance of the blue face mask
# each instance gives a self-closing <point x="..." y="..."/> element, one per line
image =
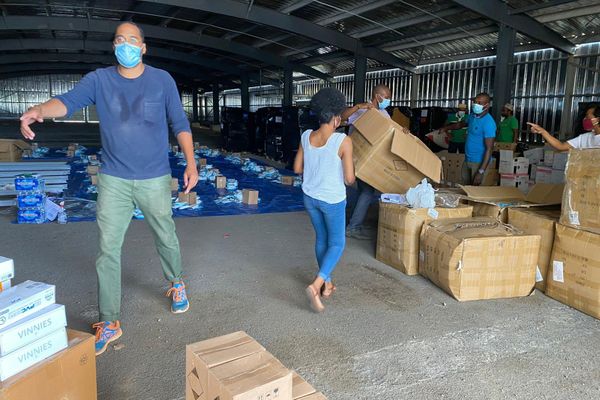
<point x="128" y="55"/>
<point x="477" y="108"/>
<point x="385" y="103"/>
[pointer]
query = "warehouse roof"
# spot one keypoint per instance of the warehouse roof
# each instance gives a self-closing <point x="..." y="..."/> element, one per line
<point x="203" y="40"/>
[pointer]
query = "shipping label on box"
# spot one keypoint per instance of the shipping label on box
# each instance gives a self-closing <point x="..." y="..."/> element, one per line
<point x="7" y="268"/>
<point x="31" y="200"/>
<point x="542" y="223"/>
<point x="33" y="353"/>
<point x="390" y="158"/>
<point x="479" y="258"/>
<point x="399" y="229"/>
<point x="32" y="328"/>
<point x="581" y="201"/>
<point x="574" y="270"/>
<point x="235" y="366"/>
<point x="23" y="300"/>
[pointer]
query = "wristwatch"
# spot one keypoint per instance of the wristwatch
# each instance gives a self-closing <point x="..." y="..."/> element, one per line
<point x="481" y="171"/>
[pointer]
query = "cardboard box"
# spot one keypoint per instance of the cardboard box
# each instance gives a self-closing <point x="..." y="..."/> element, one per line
<point x="234" y="367"/>
<point x="581" y="201"/>
<point x="549" y="157"/>
<point x="557" y="176"/>
<point x="494" y="201"/>
<point x="287" y="180"/>
<point x="574" y="273"/>
<point x="30" y="183"/>
<point x="33" y="353"/>
<point x="25" y="200"/>
<point x="452" y="164"/>
<point x="67" y="375"/>
<point x="390" y="158"/>
<point x="221" y="182"/>
<point x="300" y="388"/>
<point x="12" y="150"/>
<point x="478" y="258"/>
<point x="399" y="230"/>
<point x="174" y="184"/>
<point x="24" y="299"/>
<point x="532" y="172"/>
<point x="505" y="146"/>
<point x="7" y="268"/>
<point x="314" y="396"/>
<point x="92" y="169"/>
<point x="517" y="166"/>
<point x="401" y="119"/>
<point x="535" y="156"/>
<point x="543" y="174"/>
<point x="32" y="328"/>
<point x="191" y="198"/>
<point x="521" y="182"/>
<point x="542" y="223"/>
<point x="491" y="177"/>
<point x="250" y="197"/>
<point x="31" y="215"/>
<point x="560" y="161"/>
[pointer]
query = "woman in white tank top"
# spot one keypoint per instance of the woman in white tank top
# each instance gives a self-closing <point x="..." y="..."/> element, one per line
<point x="325" y="160"/>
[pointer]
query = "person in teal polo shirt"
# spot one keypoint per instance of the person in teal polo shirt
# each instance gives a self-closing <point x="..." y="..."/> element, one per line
<point x="481" y="134"/>
<point x="509" y="126"/>
<point x="457" y="136"/>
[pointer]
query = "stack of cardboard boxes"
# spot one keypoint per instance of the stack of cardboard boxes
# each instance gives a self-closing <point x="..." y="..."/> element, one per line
<point x="236" y="366"/>
<point x="31" y="199"/>
<point x="514" y="171"/>
<point x="33" y="339"/>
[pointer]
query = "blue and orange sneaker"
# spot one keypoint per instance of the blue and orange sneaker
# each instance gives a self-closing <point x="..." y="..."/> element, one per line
<point x="106" y="332"/>
<point x="180" y="303"/>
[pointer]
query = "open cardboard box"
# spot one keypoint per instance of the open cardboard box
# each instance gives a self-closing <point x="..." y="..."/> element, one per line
<point x="494" y="201"/>
<point x="388" y="157"/>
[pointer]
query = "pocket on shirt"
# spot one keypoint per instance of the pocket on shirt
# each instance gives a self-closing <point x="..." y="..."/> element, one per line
<point x="154" y="111"/>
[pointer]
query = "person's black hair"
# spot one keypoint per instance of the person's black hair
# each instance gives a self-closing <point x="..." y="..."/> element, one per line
<point x="328" y="103"/>
<point x="142" y="34"/>
<point x="484" y="94"/>
<point x="596" y="108"/>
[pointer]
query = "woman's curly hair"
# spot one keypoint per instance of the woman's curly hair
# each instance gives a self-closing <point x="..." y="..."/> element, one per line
<point x="328" y="103"/>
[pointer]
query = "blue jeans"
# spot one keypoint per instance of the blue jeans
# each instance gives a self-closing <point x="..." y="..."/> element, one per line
<point x="329" y="221"/>
<point x="365" y="197"/>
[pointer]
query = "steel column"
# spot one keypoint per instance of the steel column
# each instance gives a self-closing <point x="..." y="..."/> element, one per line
<point x="504" y="69"/>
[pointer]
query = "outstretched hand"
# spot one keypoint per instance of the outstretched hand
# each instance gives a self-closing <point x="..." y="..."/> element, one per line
<point x="535" y="128"/>
<point x="34" y="114"/>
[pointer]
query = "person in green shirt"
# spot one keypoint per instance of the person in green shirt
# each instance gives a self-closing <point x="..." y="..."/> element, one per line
<point x="508" y="131"/>
<point x="457" y="136"/>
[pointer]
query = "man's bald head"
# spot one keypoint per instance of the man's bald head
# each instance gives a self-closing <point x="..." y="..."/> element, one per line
<point x="383" y="91"/>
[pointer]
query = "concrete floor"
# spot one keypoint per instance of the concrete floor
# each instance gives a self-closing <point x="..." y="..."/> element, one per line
<point x="383" y="336"/>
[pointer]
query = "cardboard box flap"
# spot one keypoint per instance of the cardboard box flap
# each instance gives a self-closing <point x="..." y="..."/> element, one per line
<point x="226" y="348"/>
<point x="416" y="153"/>
<point x="373" y="126"/>
<point x="493" y="193"/>
<point x="474" y="228"/>
<point x="545" y="193"/>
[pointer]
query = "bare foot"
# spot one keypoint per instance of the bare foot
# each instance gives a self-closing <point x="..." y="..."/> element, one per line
<point x="315" y="299"/>
<point x="328" y="290"/>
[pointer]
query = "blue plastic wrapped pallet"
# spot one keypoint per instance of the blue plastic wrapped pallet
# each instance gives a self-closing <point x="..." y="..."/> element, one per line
<point x="29" y="183"/>
<point x="31" y="200"/>
<point x="31" y="216"/>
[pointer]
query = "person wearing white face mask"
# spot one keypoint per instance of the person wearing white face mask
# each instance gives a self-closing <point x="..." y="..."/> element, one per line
<point x="380" y="100"/>
<point x="481" y="134"/>
<point x="457" y="136"/>
<point x="136" y="104"/>
<point x="588" y="140"/>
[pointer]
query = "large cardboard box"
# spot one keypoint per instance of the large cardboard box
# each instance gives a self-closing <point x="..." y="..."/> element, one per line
<point x="389" y="157"/>
<point x="517" y="165"/>
<point x="574" y="274"/>
<point x="537" y="222"/>
<point x="452" y="165"/>
<point x="581" y="201"/>
<point x="494" y="201"/>
<point x="7" y="268"/>
<point x="24" y="299"/>
<point x="69" y="374"/>
<point x="535" y="155"/>
<point x="234" y="367"/>
<point x="478" y="258"/>
<point x="521" y="182"/>
<point x="29" y="355"/>
<point x="401" y="119"/>
<point x="12" y="150"/>
<point x="399" y="230"/>
<point x="32" y="328"/>
<point x="300" y="388"/>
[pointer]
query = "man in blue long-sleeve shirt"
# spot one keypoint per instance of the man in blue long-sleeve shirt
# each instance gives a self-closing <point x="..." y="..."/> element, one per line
<point x="136" y="105"/>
